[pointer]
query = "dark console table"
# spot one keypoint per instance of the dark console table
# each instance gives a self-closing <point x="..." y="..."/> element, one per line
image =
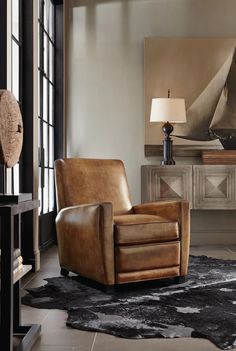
<point x="10" y="223"/>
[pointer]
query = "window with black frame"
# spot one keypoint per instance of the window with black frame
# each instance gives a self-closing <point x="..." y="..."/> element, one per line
<point x="46" y="124"/>
<point x="16" y="75"/>
<point x="46" y="105"/>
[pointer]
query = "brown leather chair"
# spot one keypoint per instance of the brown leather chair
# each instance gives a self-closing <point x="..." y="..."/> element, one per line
<point x="101" y="236"/>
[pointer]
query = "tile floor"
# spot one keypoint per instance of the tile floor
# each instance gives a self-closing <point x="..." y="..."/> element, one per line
<point x="56" y="336"/>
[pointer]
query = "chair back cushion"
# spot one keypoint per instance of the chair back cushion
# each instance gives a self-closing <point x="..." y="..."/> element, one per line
<point x="83" y="181"/>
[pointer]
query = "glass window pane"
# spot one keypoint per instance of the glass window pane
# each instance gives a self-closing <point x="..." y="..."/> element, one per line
<point x="39" y="133"/>
<point x="45" y="191"/>
<point x="15" y="70"/>
<point x="45" y="54"/>
<point x="15" y="18"/>
<point x="45" y="143"/>
<point x="39" y="95"/>
<point x="45" y="14"/>
<point x="51" y="62"/>
<point x="51" y="20"/>
<point x="51" y="146"/>
<point x="40" y="178"/>
<point x="51" y="104"/>
<point x="16" y="179"/>
<point x="51" y="190"/>
<point x="8" y="180"/>
<point x="45" y="99"/>
<point x="40" y="191"/>
<point x="46" y="10"/>
<point x="39" y="30"/>
<point x="39" y="8"/>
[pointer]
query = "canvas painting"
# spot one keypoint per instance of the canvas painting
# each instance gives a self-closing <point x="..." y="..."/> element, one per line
<point x="203" y="72"/>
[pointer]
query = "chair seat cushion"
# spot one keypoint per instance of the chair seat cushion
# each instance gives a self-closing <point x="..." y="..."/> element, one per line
<point x="143" y="228"/>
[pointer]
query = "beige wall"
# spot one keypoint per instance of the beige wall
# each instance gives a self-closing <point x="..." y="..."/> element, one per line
<point x="104" y="72"/>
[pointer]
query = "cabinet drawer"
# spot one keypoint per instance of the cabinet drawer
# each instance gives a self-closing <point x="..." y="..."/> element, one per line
<point x="166" y="183"/>
<point x="214" y="187"/>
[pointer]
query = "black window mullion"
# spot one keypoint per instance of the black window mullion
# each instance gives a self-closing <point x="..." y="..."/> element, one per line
<point x="58" y="79"/>
<point x="45" y="82"/>
<point x="41" y="65"/>
<point x="41" y="141"/>
<point x="18" y="42"/>
<point x="20" y="85"/>
<point x="48" y="106"/>
<point x="45" y="76"/>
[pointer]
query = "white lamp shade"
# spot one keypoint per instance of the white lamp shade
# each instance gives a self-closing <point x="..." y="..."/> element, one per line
<point x="168" y="109"/>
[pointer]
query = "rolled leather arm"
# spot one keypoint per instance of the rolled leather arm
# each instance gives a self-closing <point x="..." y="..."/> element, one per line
<point x="85" y="241"/>
<point x="177" y="211"/>
<point x="164" y="208"/>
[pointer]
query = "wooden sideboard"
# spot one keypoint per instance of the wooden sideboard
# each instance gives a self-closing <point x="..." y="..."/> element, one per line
<point x="207" y="187"/>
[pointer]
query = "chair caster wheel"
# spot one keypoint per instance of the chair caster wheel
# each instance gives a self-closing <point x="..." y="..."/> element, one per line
<point x="179" y="280"/>
<point x="64" y="272"/>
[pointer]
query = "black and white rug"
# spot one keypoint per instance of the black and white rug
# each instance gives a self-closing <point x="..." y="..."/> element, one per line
<point x="203" y="306"/>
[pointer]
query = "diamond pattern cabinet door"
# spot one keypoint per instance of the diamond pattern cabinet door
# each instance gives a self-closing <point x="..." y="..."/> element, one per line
<point x="166" y="183"/>
<point x="214" y="187"/>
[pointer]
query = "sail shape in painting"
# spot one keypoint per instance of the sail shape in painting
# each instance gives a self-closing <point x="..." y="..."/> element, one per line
<point x="213" y="114"/>
<point x="223" y="124"/>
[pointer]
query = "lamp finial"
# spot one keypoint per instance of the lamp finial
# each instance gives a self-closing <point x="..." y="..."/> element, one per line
<point x="168" y="93"/>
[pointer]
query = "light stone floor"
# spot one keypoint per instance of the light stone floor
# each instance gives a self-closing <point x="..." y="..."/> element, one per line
<point x="56" y="336"/>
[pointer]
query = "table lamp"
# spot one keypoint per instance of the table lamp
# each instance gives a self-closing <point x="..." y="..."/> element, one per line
<point x="168" y="110"/>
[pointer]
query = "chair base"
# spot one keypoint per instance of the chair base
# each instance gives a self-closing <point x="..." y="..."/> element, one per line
<point x="179" y="280"/>
<point x="64" y="272"/>
<point x="109" y="289"/>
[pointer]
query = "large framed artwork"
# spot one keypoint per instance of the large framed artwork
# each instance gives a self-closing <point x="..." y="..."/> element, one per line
<point x="203" y="72"/>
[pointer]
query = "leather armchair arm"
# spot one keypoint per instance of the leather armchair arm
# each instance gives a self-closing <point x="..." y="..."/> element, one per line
<point x="164" y="208"/>
<point x="177" y="211"/>
<point x="85" y="241"/>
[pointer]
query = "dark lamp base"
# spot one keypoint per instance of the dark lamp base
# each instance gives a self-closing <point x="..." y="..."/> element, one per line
<point x="167" y="145"/>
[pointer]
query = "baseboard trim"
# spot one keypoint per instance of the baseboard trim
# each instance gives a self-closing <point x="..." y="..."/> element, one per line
<point x="215" y="237"/>
<point x="47" y="244"/>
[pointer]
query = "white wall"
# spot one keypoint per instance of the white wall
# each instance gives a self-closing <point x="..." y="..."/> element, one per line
<point x="104" y="70"/>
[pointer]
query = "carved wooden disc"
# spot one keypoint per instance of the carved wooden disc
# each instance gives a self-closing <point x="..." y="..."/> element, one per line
<point x="11" y="129"/>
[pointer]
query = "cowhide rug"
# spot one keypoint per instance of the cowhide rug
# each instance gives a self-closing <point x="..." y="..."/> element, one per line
<point x="203" y="306"/>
